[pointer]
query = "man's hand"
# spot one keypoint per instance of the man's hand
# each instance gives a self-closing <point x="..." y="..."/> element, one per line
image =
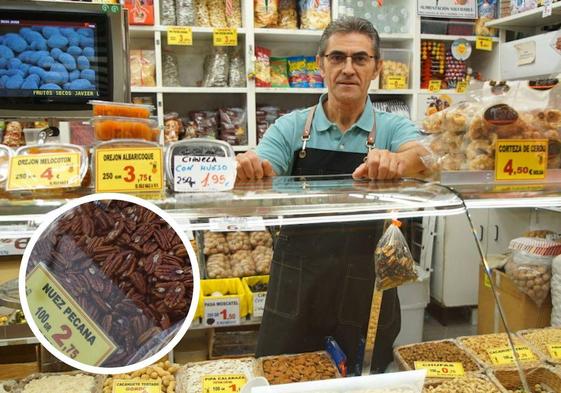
<point x="380" y="165"/>
<point x="251" y="167"/>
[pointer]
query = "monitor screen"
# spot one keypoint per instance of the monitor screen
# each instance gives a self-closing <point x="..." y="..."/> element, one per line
<point x="60" y="58"/>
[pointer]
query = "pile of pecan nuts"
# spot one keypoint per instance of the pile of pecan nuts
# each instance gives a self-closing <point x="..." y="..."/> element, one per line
<point x="125" y="266"/>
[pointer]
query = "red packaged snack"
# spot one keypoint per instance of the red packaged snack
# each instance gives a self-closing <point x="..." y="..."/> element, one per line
<point x="262" y="67"/>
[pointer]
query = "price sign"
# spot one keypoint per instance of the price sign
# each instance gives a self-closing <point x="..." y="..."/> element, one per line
<point x="136" y="385"/>
<point x="484" y="43"/>
<point x="486" y="281"/>
<point x="435" y="86"/>
<point x="520" y="159"/>
<point x="129" y="169"/>
<point x="13" y="246"/>
<point x="223" y="383"/>
<point x="180" y="36"/>
<point x="554" y="351"/>
<point x="504" y="356"/>
<point x="203" y="173"/>
<point x="222" y="311"/>
<point x="461" y="87"/>
<point x="396" y="82"/>
<point x="63" y="322"/>
<point x="235" y="224"/>
<point x="225" y="37"/>
<point x="259" y="303"/>
<point x="441" y="369"/>
<point x="547" y="8"/>
<point x="35" y="171"/>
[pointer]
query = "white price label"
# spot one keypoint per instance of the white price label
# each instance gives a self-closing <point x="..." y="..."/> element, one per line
<point x="259" y="303"/>
<point x="547" y="8"/>
<point x="13" y="246"/>
<point x="234" y="224"/>
<point x="203" y="173"/>
<point x="222" y="312"/>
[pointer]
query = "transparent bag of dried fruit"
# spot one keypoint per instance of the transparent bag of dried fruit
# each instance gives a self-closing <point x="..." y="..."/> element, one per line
<point x="393" y="261"/>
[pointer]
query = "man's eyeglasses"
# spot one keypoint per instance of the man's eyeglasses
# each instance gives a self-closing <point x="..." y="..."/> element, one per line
<point x="339" y="58"/>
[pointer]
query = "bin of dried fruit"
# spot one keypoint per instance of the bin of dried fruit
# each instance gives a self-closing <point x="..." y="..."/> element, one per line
<point x="115" y="127"/>
<point x="540" y="380"/>
<point x="435" y="351"/>
<point x="541" y="340"/>
<point x="107" y="108"/>
<point x="162" y="371"/>
<point x="479" y="347"/>
<point x="313" y="366"/>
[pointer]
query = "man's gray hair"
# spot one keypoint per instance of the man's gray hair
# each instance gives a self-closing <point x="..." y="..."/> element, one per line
<point x="350" y="24"/>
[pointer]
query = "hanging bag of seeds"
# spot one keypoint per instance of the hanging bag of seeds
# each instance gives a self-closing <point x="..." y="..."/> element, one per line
<point x="393" y="261"/>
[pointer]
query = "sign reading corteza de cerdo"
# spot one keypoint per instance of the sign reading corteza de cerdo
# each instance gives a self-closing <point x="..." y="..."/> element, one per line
<point x="521" y="159"/>
<point x="63" y="322"/>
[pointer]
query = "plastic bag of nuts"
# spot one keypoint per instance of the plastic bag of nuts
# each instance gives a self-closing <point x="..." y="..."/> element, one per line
<point x="313" y="366"/>
<point x="218" y="266"/>
<point x="161" y="371"/>
<point x="215" y="243"/>
<point x="217" y="13"/>
<point x="263" y="256"/>
<point x="202" y="18"/>
<point x="394" y="264"/>
<point x="243" y="264"/>
<point x="261" y="238"/>
<point x="238" y="241"/>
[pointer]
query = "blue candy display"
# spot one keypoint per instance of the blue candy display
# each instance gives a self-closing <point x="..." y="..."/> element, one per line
<point x="47" y="57"/>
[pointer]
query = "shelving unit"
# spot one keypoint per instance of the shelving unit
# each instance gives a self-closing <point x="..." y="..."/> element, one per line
<point x="528" y="21"/>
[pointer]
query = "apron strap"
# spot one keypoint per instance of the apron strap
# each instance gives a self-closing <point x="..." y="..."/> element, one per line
<point x="370" y="141"/>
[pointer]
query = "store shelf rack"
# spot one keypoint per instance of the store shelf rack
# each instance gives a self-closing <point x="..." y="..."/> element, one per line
<point x="528" y="21"/>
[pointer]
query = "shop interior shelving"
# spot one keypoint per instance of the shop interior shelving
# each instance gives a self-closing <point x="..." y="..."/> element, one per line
<point x="528" y="21"/>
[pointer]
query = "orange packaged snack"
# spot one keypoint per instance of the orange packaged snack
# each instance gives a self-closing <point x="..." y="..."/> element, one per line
<point x="112" y="127"/>
<point x="107" y="108"/>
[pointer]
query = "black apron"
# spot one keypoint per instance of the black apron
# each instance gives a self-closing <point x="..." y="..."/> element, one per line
<point x="322" y="277"/>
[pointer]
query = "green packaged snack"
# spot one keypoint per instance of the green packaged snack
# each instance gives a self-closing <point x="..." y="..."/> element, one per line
<point x="279" y="72"/>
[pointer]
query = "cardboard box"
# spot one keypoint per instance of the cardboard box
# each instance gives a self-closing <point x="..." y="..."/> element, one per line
<point x="520" y="310"/>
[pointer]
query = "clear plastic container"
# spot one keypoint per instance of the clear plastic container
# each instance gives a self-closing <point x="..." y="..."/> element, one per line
<point x="396" y="69"/>
<point x="108" y="108"/>
<point x="114" y="127"/>
<point x="31" y="135"/>
<point x="5" y="154"/>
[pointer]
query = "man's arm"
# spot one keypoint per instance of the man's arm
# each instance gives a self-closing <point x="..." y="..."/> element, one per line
<point x="385" y="165"/>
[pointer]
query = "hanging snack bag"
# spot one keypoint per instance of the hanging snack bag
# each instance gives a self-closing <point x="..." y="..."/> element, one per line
<point x="315" y="14"/>
<point x="266" y="13"/>
<point x="394" y="264"/>
<point x="202" y="17"/>
<point x="279" y="72"/>
<point x="312" y="72"/>
<point x="297" y="71"/>
<point x="233" y="126"/>
<point x="217" y="70"/>
<point x="262" y="67"/>
<point x="288" y="16"/>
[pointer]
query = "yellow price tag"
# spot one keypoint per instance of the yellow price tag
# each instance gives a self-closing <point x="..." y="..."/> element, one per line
<point x="180" y="36"/>
<point x="396" y="82"/>
<point x="63" y="322"/>
<point x="554" y="351"/>
<point x="520" y="159"/>
<point x="230" y="383"/>
<point x="486" y="281"/>
<point x="504" y="356"/>
<point x="128" y="169"/>
<point x="435" y="86"/>
<point x="225" y="37"/>
<point x="461" y="87"/>
<point x="484" y="43"/>
<point x="136" y="385"/>
<point x="58" y="170"/>
<point x="441" y="369"/>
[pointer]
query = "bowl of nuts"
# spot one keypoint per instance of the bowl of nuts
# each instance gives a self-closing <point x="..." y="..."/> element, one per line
<point x="540" y="379"/>
<point x="544" y="342"/>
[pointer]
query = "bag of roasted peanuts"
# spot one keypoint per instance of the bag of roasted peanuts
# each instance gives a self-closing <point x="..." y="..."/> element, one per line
<point x="463" y="136"/>
<point x="393" y="261"/>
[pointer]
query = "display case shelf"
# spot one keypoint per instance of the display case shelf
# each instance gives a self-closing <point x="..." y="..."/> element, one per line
<point x="148" y="31"/>
<point x="528" y="19"/>
<point x="442" y="37"/>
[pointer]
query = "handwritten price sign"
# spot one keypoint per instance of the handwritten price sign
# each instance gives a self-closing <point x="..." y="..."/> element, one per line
<point x="58" y="170"/>
<point x="229" y="383"/>
<point x="521" y="159"/>
<point x="441" y="369"/>
<point x="222" y="311"/>
<point x="203" y="173"/>
<point x="129" y="170"/>
<point x="63" y="322"/>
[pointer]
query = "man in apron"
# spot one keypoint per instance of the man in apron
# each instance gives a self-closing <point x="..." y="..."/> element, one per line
<point x="322" y="276"/>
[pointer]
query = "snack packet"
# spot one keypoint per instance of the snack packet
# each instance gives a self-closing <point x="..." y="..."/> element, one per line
<point x="297" y="71"/>
<point x="279" y="72"/>
<point x="312" y="72"/>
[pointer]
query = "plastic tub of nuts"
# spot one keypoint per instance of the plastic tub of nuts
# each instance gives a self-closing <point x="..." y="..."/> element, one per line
<point x="540" y="379"/>
<point x="492" y="350"/>
<point x="395" y="70"/>
<point x="542" y="340"/>
<point x="474" y="383"/>
<point x="313" y="366"/>
<point x="435" y="351"/>
<point x="191" y="376"/>
<point x="256" y="291"/>
<point x="228" y="290"/>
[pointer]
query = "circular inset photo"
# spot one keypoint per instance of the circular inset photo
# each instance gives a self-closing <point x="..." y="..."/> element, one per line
<point x="109" y="283"/>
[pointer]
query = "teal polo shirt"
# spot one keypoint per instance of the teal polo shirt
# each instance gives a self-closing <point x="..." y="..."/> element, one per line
<point x="284" y="137"/>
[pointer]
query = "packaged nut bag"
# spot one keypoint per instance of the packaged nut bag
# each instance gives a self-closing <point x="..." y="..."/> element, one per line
<point x="394" y="264"/>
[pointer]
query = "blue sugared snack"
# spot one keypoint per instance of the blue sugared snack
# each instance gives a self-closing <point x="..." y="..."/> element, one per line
<point x="89" y="53"/>
<point x="30" y="83"/>
<point x="81" y="84"/>
<point x="15" y="42"/>
<point x="57" y="41"/>
<point x="83" y="63"/>
<point x="14" y="82"/>
<point x="50" y="86"/>
<point x="46" y="62"/>
<point x="56" y="52"/>
<point x="68" y="61"/>
<point x="74" y="75"/>
<point x="89" y="75"/>
<point x="49" y="31"/>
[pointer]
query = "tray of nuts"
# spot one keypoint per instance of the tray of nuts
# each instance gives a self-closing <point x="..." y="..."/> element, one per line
<point x="162" y="371"/>
<point x="190" y="377"/>
<point x="480" y="346"/>
<point x="471" y="384"/>
<point x="70" y="382"/>
<point x="540" y="379"/>
<point x="313" y="366"/>
<point x="541" y="340"/>
<point x="435" y="351"/>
